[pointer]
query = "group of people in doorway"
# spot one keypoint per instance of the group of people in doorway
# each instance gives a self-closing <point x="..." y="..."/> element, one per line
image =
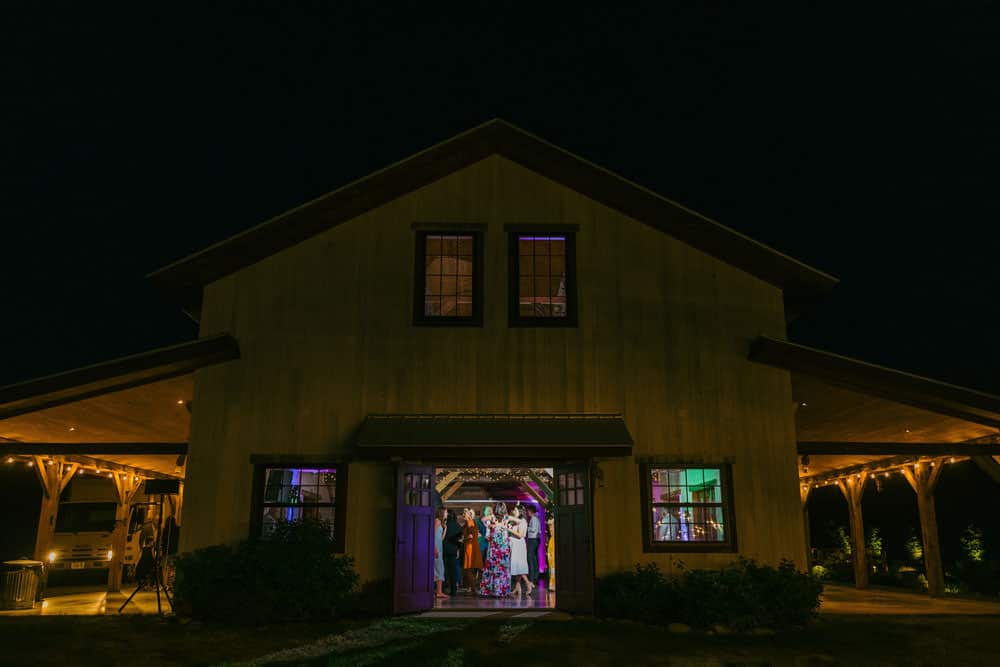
<point x="494" y="555"/>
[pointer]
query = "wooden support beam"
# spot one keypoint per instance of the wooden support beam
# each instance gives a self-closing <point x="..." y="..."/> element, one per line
<point x="853" y="488"/>
<point x="443" y="483"/>
<point x="541" y="485"/>
<point x="98" y="449"/>
<point x="923" y="477"/>
<point x="989" y="465"/>
<point x="535" y="494"/>
<point x="53" y="473"/>
<point x="126" y="487"/>
<point x="451" y="491"/>
<point x="899" y="448"/>
<point x="804" y="497"/>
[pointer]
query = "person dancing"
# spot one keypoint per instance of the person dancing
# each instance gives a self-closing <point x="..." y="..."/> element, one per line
<point x="472" y="557"/>
<point x="439" y="552"/>
<point x="519" y="553"/>
<point x="495" y="580"/>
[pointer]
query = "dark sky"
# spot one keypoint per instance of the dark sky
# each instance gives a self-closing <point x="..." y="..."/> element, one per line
<point x="863" y="143"/>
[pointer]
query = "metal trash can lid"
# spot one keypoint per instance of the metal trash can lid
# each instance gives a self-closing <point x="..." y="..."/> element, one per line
<point x="24" y="563"/>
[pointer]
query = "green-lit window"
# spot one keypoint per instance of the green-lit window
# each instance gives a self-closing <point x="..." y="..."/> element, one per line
<point x="687" y="508"/>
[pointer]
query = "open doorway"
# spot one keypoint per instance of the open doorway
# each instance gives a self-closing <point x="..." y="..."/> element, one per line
<point x="553" y="502"/>
<point x="494" y="545"/>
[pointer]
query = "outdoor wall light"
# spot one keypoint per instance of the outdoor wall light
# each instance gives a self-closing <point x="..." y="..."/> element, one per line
<point x="52" y="556"/>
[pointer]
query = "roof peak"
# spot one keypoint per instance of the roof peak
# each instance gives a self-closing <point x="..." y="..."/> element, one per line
<point x="185" y="278"/>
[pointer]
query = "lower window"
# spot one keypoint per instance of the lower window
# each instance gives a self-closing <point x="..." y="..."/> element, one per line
<point x="284" y="494"/>
<point x="687" y="508"/>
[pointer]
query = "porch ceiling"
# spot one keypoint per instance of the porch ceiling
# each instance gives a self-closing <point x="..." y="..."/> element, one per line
<point x="155" y="412"/>
<point x="828" y="414"/>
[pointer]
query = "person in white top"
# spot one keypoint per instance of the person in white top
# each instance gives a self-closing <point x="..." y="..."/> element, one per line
<point x="519" y="552"/>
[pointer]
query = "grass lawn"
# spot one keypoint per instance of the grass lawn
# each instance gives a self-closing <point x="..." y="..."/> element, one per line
<point x="848" y="640"/>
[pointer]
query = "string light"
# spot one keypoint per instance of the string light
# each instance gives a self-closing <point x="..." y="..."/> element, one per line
<point x="874" y="470"/>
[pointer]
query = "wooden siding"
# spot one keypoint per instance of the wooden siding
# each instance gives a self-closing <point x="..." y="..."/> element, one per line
<point x="326" y="337"/>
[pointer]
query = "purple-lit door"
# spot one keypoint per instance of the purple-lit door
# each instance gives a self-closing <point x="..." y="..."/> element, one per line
<point x="414" y="577"/>
<point x="574" y="539"/>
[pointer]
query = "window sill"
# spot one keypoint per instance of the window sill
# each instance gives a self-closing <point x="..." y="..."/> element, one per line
<point x="542" y="323"/>
<point x="448" y="323"/>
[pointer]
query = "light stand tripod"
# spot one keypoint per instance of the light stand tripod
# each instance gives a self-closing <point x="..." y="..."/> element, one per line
<point x="154" y="576"/>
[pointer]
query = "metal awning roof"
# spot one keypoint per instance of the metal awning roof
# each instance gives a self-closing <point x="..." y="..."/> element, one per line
<point x="494" y="436"/>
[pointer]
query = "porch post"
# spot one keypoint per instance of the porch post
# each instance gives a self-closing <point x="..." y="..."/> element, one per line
<point x="923" y="477"/>
<point x="53" y="474"/>
<point x="126" y="484"/>
<point x="853" y="488"/>
<point x="804" y="496"/>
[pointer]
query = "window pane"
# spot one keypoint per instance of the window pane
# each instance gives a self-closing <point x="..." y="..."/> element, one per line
<point x="695" y="510"/>
<point x="446" y="259"/>
<point x="542" y="272"/>
<point x="288" y="492"/>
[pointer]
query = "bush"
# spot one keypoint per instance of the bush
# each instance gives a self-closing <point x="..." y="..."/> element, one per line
<point x="639" y="594"/>
<point x="291" y="576"/>
<point x="978" y="576"/>
<point x="743" y="596"/>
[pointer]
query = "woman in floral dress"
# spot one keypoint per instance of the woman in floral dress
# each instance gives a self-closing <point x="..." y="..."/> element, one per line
<point x="495" y="582"/>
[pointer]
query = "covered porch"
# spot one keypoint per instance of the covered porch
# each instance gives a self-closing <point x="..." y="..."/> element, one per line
<point x="859" y="424"/>
<point x="125" y="421"/>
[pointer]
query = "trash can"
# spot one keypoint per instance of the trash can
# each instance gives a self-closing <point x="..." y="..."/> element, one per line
<point x="20" y="583"/>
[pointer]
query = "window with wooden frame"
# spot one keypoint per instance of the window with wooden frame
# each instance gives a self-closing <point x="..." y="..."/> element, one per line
<point x="285" y="493"/>
<point x="542" y="276"/>
<point x="448" y="282"/>
<point x="687" y="507"/>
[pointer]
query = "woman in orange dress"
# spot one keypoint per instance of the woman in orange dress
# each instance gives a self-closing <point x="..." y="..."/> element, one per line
<point x="472" y="555"/>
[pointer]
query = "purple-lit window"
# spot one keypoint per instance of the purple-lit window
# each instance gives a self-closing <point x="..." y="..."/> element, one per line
<point x="542" y="279"/>
<point x="688" y="505"/>
<point x="298" y="493"/>
<point x="448" y="279"/>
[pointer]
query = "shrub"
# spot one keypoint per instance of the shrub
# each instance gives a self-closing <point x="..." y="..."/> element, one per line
<point x="641" y="593"/>
<point x="291" y="576"/>
<point x="743" y="596"/>
<point x="914" y="548"/>
<point x="972" y="544"/>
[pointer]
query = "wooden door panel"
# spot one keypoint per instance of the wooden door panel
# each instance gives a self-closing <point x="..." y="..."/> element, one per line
<point x="413" y="582"/>
<point x="574" y="539"/>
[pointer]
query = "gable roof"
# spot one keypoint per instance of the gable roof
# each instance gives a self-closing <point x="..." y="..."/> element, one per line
<point x="879" y="381"/>
<point x="184" y="279"/>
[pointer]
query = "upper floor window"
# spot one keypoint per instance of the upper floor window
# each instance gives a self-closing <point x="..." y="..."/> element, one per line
<point x="542" y="278"/>
<point x="448" y="278"/>
<point x="687" y="507"/>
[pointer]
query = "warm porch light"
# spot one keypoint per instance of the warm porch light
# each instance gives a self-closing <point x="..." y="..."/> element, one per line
<point x="52" y="556"/>
<point x="31" y="464"/>
<point x="110" y="554"/>
<point x="10" y="459"/>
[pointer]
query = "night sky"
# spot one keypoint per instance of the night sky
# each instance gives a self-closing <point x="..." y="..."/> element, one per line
<point x="865" y="144"/>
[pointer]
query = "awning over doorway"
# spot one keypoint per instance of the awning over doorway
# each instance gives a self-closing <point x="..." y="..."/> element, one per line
<point x="494" y="436"/>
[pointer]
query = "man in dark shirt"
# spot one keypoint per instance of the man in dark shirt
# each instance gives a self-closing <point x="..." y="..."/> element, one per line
<point x="452" y="547"/>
